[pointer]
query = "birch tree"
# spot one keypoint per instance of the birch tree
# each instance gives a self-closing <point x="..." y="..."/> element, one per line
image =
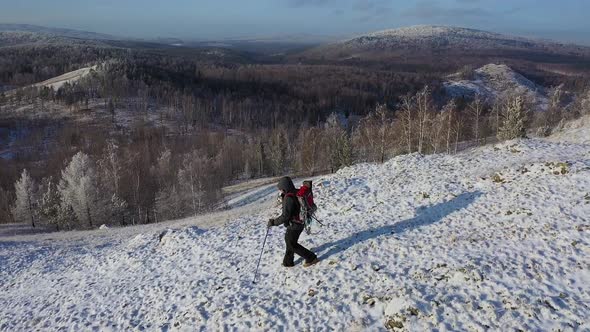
<point x="406" y="117"/>
<point x="449" y="112"/>
<point x="476" y="109"/>
<point x="424" y="108"/>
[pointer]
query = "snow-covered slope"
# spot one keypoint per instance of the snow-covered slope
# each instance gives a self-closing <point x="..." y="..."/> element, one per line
<point x="577" y="131"/>
<point x="57" y="82"/>
<point x="493" y="80"/>
<point x="493" y="238"/>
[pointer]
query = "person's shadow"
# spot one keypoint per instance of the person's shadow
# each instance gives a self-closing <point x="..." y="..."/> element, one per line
<point x="425" y="216"/>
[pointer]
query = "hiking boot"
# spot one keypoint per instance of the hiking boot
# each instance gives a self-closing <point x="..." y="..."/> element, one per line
<point x="287" y="265"/>
<point x="315" y="261"/>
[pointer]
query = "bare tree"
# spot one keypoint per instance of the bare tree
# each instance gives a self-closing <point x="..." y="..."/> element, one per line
<point x="278" y="151"/>
<point x="424" y="109"/>
<point x="374" y="135"/>
<point x="5" y="210"/>
<point x="406" y="116"/>
<point x="191" y="180"/>
<point x="110" y="167"/>
<point x="337" y="143"/>
<point x="457" y="130"/>
<point x="449" y="112"/>
<point x="437" y="130"/>
<point x="476" y="109"/>
<point x="309" y="150"/>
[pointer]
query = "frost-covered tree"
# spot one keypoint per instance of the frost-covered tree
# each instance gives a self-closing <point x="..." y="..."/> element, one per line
<point x="50" y="207"/>
<point x="547" y="121"/>
<point x="79" y="190"/>
<point x="555" y="107"/>
<point x="24" y="209"/>
<point x="514" y="119"/>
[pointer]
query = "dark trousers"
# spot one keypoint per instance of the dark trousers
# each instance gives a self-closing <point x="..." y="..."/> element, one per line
<point x="293" y="247"/>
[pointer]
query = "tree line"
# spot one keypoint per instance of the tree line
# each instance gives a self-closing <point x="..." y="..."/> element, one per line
<point x="231" y="122"/>
<point x="153" y="177"/>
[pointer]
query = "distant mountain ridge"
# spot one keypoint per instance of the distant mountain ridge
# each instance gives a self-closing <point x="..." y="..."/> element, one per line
<point x="433" y="39"/>
<point x="69" y="33"/>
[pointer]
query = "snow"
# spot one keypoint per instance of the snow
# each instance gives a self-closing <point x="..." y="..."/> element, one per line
<point x="496" y="237"/>
<point x="494" y="80"/>
<point x="57" y="82"/>
<point x="575" y="131"/>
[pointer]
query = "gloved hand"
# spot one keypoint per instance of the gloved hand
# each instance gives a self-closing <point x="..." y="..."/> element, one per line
<point x="270" y="223"/>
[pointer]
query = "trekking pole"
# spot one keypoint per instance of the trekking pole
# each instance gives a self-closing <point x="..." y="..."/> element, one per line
<point x="319" y="222"/>
<point x="259" y="258"/>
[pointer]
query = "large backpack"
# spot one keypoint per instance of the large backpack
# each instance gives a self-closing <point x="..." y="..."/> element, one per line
<point x="297" y="217"/>
<point x="308" y="207"/>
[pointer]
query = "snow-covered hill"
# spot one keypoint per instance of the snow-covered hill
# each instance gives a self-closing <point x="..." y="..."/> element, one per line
<point x="493" y="80"/>
<point x="439" y="42"/>
<point x="441" y="36"/>
<point x="496" y="238"/>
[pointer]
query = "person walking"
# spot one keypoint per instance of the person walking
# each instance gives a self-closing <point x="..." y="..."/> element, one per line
<point x="291" y="220"/>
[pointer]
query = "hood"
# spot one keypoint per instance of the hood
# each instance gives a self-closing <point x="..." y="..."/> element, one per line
<point x="286" y="184"/>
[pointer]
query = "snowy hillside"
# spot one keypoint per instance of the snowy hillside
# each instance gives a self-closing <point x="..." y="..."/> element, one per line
<point x="444" y="37"/>
<point x="493" y="238"/>
<point x="493" y="80"/>
<point x="57" y="82"/>
<point x="439" y="34"/>
<point x="409" y="43"/>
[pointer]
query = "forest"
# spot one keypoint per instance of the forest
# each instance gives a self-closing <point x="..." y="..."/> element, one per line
<point x="156" y="134"/>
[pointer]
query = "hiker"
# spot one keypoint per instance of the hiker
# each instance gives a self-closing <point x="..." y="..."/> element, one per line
<point x="290" y="219"/>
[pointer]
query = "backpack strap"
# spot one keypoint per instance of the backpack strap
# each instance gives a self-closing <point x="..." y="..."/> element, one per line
<point x="296" y="218"/>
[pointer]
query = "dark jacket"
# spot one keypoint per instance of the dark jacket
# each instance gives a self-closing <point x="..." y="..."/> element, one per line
<point x="290" y="204"/>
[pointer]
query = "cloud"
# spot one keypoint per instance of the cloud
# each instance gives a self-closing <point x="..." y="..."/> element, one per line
<point x="433" y="10"/>
<point x="365" y="10"/>
<point x="368" y="5"/>
<point x="356" y="5"/>
<point x="311" y="3"/>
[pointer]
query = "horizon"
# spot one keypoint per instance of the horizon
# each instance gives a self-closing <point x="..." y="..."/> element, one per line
<point x="324" y="19"/>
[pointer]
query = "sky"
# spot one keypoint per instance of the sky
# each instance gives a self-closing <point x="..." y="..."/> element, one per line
<point x="563" y="20"/>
